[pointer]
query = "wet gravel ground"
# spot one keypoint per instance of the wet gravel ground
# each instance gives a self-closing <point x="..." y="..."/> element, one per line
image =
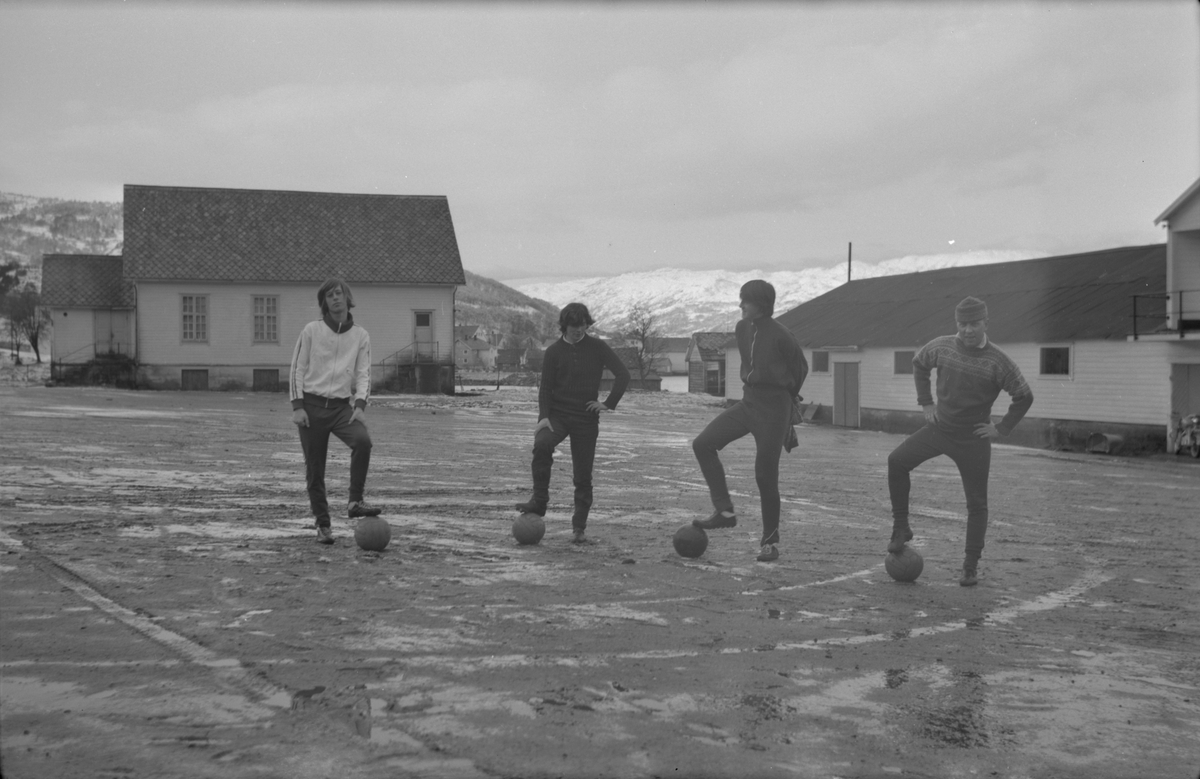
<point x="166" y="612"/>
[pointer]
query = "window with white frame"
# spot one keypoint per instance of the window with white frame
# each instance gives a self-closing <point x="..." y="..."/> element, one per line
<point x="1055" y="361"/>
<point x="902" y="363"/>
<point x="266" y="319"/>
<point x="820" y="361"/>
<point x="195" y="318"/>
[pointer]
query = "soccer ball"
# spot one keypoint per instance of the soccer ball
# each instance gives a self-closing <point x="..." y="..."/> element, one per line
<point x="690" y="541"/>
<point x="372" y="534"/>
<point x="528" y="529"/>
<point x="904" y="566"/>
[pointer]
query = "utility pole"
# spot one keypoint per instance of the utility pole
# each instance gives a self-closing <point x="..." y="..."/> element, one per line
<point x="849" y="259"/>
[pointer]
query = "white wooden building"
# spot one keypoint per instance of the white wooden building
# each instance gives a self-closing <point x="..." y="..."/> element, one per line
<point x="1067" y="321"/>
<point x="225" y="279"/>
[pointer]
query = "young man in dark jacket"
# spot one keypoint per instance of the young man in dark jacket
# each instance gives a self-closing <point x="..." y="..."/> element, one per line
<point x="568" y="407"/>
<point x="971" y="372"/>
<point x="773" y="368"/>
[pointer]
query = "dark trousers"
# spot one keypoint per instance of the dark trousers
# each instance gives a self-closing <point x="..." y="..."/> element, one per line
<point x="314" y="440"/>
<point x="766" y="414"/>
<point x="973" y="456"/>
<point x="583" y="432"/>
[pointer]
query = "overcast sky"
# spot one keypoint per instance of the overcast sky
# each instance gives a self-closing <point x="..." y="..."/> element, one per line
<point x="595" y="138"/>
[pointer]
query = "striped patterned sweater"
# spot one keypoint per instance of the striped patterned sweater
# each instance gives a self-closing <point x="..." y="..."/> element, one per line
<point x="968" y="383"/>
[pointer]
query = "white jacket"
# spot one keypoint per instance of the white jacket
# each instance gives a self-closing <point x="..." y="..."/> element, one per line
<point x="331" y="360"/>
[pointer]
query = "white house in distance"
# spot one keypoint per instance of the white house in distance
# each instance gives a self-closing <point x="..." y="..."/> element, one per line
<point x="1067" y="321"/>
<point x="225" y="279"/>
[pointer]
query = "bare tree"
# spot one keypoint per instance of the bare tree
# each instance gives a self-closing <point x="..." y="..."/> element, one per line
<point x="27" y="317"/>
<point x="644" y="334"/>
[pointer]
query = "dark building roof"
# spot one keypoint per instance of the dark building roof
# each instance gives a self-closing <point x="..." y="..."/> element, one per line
<point x="85" y="281"/>
<point x="191" y="233"/>
<point x="710" y="345"/>
<point x="675" y="343"/>
<point x="1066" y="298"/>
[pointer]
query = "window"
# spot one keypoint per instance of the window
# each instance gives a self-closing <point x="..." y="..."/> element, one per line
<point x="266" y="319"/>
<point x="195" y="318"/>
<point x="266" y="379"/>
<point x="902" y="365"/>
<point x="820" y="362"/>
<point x="424" y="318"/>
<point x="1055" y="361"/>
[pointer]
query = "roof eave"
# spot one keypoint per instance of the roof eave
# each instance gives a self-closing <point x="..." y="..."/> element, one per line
<point x="1179" y="201"/>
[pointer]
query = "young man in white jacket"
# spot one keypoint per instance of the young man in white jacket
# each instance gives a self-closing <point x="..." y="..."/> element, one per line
<point x="329" y="384"/>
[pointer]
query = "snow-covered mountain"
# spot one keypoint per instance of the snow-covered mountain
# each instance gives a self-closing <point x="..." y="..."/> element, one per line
<point x="689" y="301"/>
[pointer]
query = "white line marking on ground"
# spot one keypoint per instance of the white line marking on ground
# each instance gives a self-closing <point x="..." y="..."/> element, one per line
<point x="229" y="669"/>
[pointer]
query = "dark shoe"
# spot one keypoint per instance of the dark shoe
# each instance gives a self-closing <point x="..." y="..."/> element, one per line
<point x="324" y="534"/>
<point x="359" y="508"/>
<point x="969" y="578"/>
<point x="716" y="521"/>
<point x="768" y="554"/>
<point x="532" y="507"/>
<point x="900" y="537"/>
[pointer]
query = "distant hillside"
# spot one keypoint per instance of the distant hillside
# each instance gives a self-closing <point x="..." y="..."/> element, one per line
<point x="689" y="301"/>
<point x="487" y="302"/>
<point x="33" y="226"/>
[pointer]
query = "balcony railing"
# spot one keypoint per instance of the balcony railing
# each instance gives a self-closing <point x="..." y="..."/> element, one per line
<point x="1184" y="312"/>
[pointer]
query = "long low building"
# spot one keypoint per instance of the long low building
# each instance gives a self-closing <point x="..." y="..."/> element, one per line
<point x="1091" y="333"/>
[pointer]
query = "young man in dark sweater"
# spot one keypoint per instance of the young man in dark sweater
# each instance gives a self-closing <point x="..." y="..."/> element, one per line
<point x="568" y="407"/>
<point x="971" y="372"/>
<point x="773" y="368"/>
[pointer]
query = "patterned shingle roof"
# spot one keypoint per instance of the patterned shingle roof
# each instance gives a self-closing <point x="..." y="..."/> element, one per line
<point x="710" y="345"/>
<point x="191" y="233"/>
<point x="1066" y="298"/>
<point x="85" y="281"/>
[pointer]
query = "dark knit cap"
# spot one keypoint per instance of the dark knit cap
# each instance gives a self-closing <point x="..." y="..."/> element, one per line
<point x="761" y="294"/>
<point x="970" y="310"/>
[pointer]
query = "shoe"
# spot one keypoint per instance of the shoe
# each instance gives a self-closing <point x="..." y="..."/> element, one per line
<point x="900" y="537"/>
<point x="579" y="538"/>
<point x="716" y="521"/>
<point x="324" y="534"/>
<point x="969" y="578"/>
<point x="532" y="507"/>
<point x="359" y="508"/>
<point x="768" y="554"/>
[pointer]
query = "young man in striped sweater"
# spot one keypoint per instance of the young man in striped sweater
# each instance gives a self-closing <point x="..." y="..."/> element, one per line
<point x="568" y="405"/>
<point x="971" y="372"/>
<point x="329" y="384"/>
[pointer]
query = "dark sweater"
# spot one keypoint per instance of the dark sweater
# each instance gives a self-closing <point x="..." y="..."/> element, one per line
<point x="968" y="383"/>
<point x="771" y="357"/>
<point x="571" y="377"/>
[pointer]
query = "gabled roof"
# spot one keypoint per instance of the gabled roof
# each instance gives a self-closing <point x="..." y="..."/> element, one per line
<point x="85" y="281"/>
<point x="465" y="332"/>
<point x="1066" y="298"/>
<point x="1179" y="201"/>
<point x="198" y="234"/>
<point x="711" y="346"/>
<point x="675" y="344"/>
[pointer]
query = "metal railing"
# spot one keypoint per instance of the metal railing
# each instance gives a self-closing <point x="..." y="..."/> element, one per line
<point x="415" y="352"/>
<point x="1185" y="319"/>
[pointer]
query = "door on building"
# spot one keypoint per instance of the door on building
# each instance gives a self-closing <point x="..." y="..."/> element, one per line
<point x="423" y="334"/>
<point x="113" y="331"/>
<point x="845" y="394"/>
<point x="1185" y="389"/>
